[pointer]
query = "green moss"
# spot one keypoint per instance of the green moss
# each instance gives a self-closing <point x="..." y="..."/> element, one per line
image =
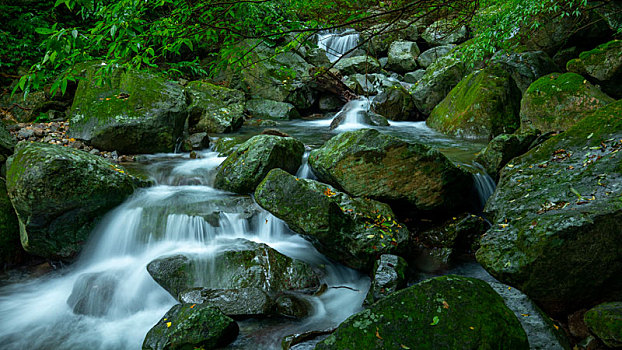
<point x="605" y="321"/>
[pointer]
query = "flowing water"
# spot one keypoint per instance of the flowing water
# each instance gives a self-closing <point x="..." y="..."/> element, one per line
<point x="337" y="44"/>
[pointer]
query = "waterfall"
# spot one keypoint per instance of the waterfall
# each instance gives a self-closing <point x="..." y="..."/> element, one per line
<point x="338" y="44"/>
<point x="484" y="185"/>
<point x="304" y="172"/>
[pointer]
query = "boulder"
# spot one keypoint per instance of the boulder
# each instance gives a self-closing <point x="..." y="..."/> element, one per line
<point x="362" y="84"/>
<point x="395" y="103"/>
<point x="135" y="113"/>
<point x="556" y="102"/>
<point x="350" y="230"/>
<point x="605" y="321"/>
<point x="414" y="77"/>
<point x="226" y="145"/>
<point x="271" y="109"/>
<point x="241" y="302"/>
<point x="502" y="149"/>
<point x="602" y="65"/>
<point x="436" y="83"/>
<point x="358" y="64"/>
<point x="380" y="36"/>
<point x="213" y="108"/>
<point x="198" y="141"/>
<point x="245" y="167"/>
<point x="483" y="105"/>
<point x="430" y="56"/>
<point x="11" y="250"/>
<point x="329" y="103"/>
<point x="388" y="276"/>
<point x="403" y="56"/>
<point x="524" y="67"/>
<point x="191" y="326"/>
<point x="448" y="312"/>
<point x="556" y="214"/>
<point x="92" y="294"/>
<point x="37" y="107"/>
<point x="7" y="144"/>
<point x="444" y="32"/>
<point x="383" y="167"/>
<point x="253" y="265"/>
<point x="59" y="194"/>
<point x="293" y="306"/>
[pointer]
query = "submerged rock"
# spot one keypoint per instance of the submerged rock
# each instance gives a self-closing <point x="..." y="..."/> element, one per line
<point x="448" y="312"/>
<point x="214" y="109"/>
<point x="383" y="167"/>
<point x="92" y="294"/>
<point x="605" y="321"/>
<point x="191" y="326"/>
<point x="556" y="215"/>
<point x="350" y="230"/>
<point x="245" y="167"/>
<point x="59" y="194"/>
<point x="603" y="65"/>
<point x="389" y="275"/>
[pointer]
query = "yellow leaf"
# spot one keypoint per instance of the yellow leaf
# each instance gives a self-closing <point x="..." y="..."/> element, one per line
<point x="472" y="328"/>
<point x="556" y="326"/>
<point x="525" y="315"/>
<point x="445" y="305"/>
<point x="192" y="306"/>
<point x="404" y="347"/>
<point x="377" y="334"/>
<point x="168" y="324"/>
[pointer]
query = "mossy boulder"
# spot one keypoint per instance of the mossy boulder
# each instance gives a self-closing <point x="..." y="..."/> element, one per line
<point x="602" y="65"/>
<point x="388" y="276"/>
<point x="605" y="321"/>
<point x="59" y="194"/>
<point x="430" y="56"/>
<point x="502" y="149"/>
<point x="362" y="84"/>
<point x="382" y="167"/>
<point x="483" y="105"/>
<point x="245" y="167"/>
<point x="448" y="312"/>
<point x="191" y="326"/>
<point x="214" y="109"/>
<point x="240" y="302"/>
<point x="525" y="67"/>
<point x="556" y="102"/>
<point x="134" y="112"/>
<point x="226" y="145"/>
<point x="556" y="215"/>
<point x="350" y="230"/>
<point x="414" y="77"/>
<point x="271" y="109"/>
<point x="403" y="56"/>
<point x="438" y="80"/>
<point x="394" y="102"/>
<point x="444" y="31"/>
<point x="11" y="250"/>
<point x="358" y="64"/>
<point x="250" y="265"/>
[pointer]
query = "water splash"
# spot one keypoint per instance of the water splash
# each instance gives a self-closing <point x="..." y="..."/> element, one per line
<point x="305" y="172"/>
<point x="352" y="115"/>
<point x="484" y="184"/>
<point x="338" y="44"/>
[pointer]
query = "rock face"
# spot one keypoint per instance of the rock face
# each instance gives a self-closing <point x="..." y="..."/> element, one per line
<point x="603" y="65"/>
<point x="436" y="83"/>
<point x="502" y="149"/>
<point x="10" y="246"/>
<point x="92" y="294"/>
<point x="271" y="109"/>
<point x="59" y="194"/>
<point x="483" y="105"/>
<point x="525" y="67"/>
<point x="556" y="215"/>
<point x="191" y="326"/>
<point x="395" y="103"/>
<point x="605" y="321"/>
<point x="556" y="102"/>
<point x="403" y="56"/>
<point x="252" y="266"/>
<point x="214" y="109"/>
<point x="135" y="113"/>
<point x="448" y="312"/>
<point x="350" y="230"/>
<point x="389" y="275"/>
<point x="245" y="167"/>
<point x="430" y="56"/>
<point x="445" y="32"/>
<point x="368" y="163"/>
<point x="358" y="64"/>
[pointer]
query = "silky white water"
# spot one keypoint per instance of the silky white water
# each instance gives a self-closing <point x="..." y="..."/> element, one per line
<point x="354" y="115"/>
<point x="338" y="44"/>
<point x="181" y="214"/>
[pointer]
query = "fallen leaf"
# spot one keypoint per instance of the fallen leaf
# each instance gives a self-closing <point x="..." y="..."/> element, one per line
<point x="377" y="334"/>
<point x="168" y="324"/>
<point x="445" y="305"/>
<point x="404" y="347"/>
<point x="435" y="321"/>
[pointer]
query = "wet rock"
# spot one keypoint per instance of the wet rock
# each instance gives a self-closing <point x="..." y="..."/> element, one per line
<point x="317" y="57"/>
<point x="293" y="306"/>
<point x="350" y="230"/>
<point x="382" y="167"/>
<point x="363" y="116"/>
<point x="448" y="312"/>
<point x="190" y="326"/>
<point x="444" y="32"/>
<point x="226" y="145"/>
<point x="362" y="84"/>
<point x="329" y="103"/>
<point x="483" y="105"/>
<point x="395" y="103"/>
<point x="242" y="302"/>
<point x="403" y="56"/>
<point x="199" y="141"/>
<point x="525" y="67"/>
<point x="556" y="102"/>
<point x="389" y="275"/>
<point x="426" y="58"/>
<point x="59" y="193"/>
<point x="414" y="77"/>
<point x="137" y="113"/>
<point x="556" y="214"/>
<point x="502" y="149"/>
<point x="602" y="65"/>
<point x="438" y="80"/>
<point x="271" y="109"/>
<point x="605" y="321"/>
<point x="214" y="109"/>
<point x="7" y="144"/>
<point x="245" y="167"/>
<point x="358" y="64"/>
<point x="92" y="294"/>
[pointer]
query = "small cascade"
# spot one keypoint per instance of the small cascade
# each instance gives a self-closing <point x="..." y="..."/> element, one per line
<point x="338" y="44"/>
<point x="484" y="185"/>
<point x="304" y="172"/>
<point x="352" y="116"/>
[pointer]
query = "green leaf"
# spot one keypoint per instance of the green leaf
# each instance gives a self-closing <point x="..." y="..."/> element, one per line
<point x="44" y="31"/>
<point x="435" y="321"/>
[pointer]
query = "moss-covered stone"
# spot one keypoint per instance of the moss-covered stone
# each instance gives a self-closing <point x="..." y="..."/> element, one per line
<point x="358" y="64"/>
<point x="483" y="105"/>
<point x="430" y="56"/>
<point x="59" y="194"/>
<point x="395" y="103"/>
<point x="403" y="56"/>
<point x="379" y="166"/>
<point x="133" y="113"/>
<point x="350" y="230"/>
<point x="525" y="67"/>
<point x="502" y="149"/>
<point x="239" y="302"/>
<point x="448" y="312"/>
<point x="556" y="102"/>
<point x="603" y="65"/>
<point x="10" y="247"/>
<point x="191" y="326"/>
<point x="605" y="321"/>
<point x="438" y="80"/>
<point x="214" y="109"/>
<point x="271" y="109"/>
<point x="253" y="265"/>
<point x="389" y="275"/>
<point x="556" y="215"/>
<point x="245" y="167"/>
<point x="227" y="144"/>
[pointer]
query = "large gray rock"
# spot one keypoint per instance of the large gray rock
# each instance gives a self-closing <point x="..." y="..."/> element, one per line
<point x="395" y="103"/>
<point x="135" y="113"/>
<point x="436" y="83"/>
<point x="525" y="67"/>
<point x="271" y="109"/>
<point x="358" y="64"/>
<point x="432" y="55"/>
<point x="444" y="32"/>
<point x="403" y="56"/>
<point x="240" y="302"/>
<point x="350" y="230"/>
<point x="389" y="275"/>
<point x="59" y="194"/>
<point x="214" y="109"/>
<point x="502" y="149"/>
<point x="362" y="84"/>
